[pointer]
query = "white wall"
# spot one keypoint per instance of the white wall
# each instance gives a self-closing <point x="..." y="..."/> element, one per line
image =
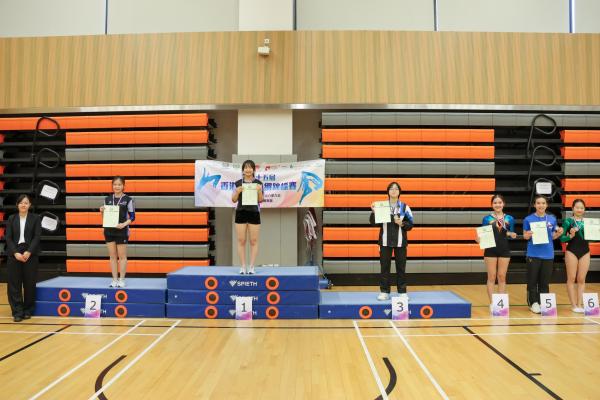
<point x="266" y="15"/>
<point x="265" y="132"/>
<point x="406" y="15"/>
<point x="146" y="16"/>
<point x="20" y="18"/>
<point x="587" y="16"/>
<point x="503" y="15"/>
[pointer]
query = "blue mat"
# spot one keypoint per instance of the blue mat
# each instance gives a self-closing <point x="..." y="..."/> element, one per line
<point x="74" y="289"/>
<point x="299" y="297"/>
<point x="121" y="310"/>
<point x="357" y="305"/>
<point x="228" y="312"/>
<point x="229" y="279"/>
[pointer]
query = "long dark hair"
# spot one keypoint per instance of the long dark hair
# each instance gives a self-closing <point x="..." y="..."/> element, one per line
<point x="578" y="201"/>
<point x="249" y="163"/>
<point x="118" y="178"/>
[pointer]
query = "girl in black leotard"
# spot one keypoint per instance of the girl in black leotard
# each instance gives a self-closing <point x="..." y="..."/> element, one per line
<point x="577" y="256"/>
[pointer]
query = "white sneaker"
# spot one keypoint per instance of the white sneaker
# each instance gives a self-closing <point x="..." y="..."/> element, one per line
<point x="577" y="310"/>
<point x="383" y="296"/>
<point x="114" y="284"/>
<point x="535" y="308"/>
<point x="404" y="296"/>
<point x="242" y="270"/>
<point x="121" y="283"/>
<point x="251" y="270"/>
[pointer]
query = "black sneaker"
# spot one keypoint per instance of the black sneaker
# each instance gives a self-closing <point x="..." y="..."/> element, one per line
<point x="26" y="316"/>
<point x="17" y="318"/>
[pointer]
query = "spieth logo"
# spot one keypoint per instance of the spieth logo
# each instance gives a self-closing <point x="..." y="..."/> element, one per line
<point x="85" y="294"/>
<point x="387" y="311"/>
<point x="233" y="297"/>
<point x="235" y="283"/>
<point x="102" y="311"/>
<point x="232" y="312"/>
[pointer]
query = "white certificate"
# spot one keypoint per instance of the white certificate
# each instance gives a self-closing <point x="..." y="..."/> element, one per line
<point x="540" y="232"/>
<point x="250" y="194"/>
<point x="110" y="217"/>
<point x="486" y="237"/>
<point x="591" y="228"/>
<point x="382" y="212"/>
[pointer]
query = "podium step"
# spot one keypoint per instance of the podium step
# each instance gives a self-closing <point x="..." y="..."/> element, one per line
<point x="228" y="311"/>
<point x="300" y="297"/>
<point x="364" y="305"/>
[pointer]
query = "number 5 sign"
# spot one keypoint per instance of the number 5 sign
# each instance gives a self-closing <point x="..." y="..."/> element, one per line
<point x="93" y="306"/>
<point x="590" y="304"/>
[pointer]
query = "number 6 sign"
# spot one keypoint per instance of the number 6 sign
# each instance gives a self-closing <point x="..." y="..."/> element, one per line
<point x="590" y="304"/>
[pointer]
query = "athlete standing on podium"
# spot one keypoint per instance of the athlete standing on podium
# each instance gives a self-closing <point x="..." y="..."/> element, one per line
<point x="247" y="217"/>
<point x="392" y="239"/>
<point x="116" y="238"/>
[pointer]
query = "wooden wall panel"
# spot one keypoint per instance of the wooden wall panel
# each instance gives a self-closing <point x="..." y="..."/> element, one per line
<point x="312" y="67"/>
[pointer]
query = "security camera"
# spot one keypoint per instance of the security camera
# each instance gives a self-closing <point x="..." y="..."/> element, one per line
<point x="265" y="50"/>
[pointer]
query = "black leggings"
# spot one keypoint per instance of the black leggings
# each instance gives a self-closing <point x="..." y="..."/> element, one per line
<point x="539" y="273"/>
<point x="385" y="259"/>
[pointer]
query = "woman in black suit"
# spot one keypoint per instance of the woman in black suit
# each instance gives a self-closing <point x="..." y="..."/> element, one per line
<point x="23" y="233"/>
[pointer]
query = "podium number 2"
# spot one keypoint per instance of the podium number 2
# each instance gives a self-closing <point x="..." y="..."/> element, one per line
<point x="93" y="306"/>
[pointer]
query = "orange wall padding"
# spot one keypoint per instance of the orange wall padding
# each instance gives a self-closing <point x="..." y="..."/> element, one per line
<point x="143" y="234"/>
<point x="580" y="153"/>
<point x="583" y="136"/>
<point x="108" y="121"/>
<point x="406" y="135"/>
<point x="414" y="250"/>
<point x="407" y="152"/>
<point x="411" y="184"/>
<point x="129" y="170"/>
<point x="416" y="234"/>
<point x="136" y="137"/>
<point x="142" y="218"/>
<point x="413" y="200"/>
<point x="141" y="266"/>
<point x="581" y="185"/>
<point x="132" y="186"/>
<point x="591" y="200"/>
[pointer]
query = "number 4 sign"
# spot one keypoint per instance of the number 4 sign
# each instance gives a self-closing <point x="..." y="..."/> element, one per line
<point x="93" y="306"/>
<point x="500" y="306"/>
<point x="243" y="308"/>
<point x="590" y="304"/>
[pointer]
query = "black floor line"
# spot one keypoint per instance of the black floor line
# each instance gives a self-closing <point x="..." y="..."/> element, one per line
<point x="100" y="378"/>
<point x="393" y="378"/>
<point x="514" y="365"/>
<point x="33" y="343"/>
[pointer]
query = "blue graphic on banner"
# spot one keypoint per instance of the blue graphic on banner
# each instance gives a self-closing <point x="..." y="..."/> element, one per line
<point x="309" y="183"/>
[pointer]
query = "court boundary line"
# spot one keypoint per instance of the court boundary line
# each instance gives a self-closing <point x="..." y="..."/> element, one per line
<point x="25" y="347"/>
<point x="382" y="391"/>
<point x="84" y="362"/>
<point x="420" y="362"/>
<point x="591" y="320"/>
<point x="132" y="362"/>
<point x="78" y="333"/>
<point x="487" y="334"/>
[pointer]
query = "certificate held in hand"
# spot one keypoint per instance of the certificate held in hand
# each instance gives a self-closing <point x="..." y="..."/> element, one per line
<point x="540" y="232"/>
<point x="591" y="230"/>
<point x="250" y="194"/>
<point x="110" y="217"/>
<point x="486" y="237"/>
<point x="382" y="212"/>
